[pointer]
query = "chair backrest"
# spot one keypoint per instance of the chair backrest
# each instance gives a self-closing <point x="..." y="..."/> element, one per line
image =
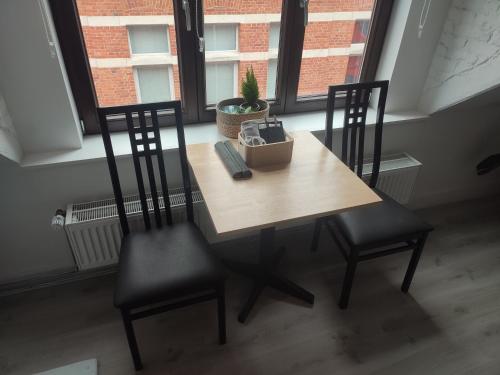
<point x="145" y="142"/>
<point x="357" y="98"/>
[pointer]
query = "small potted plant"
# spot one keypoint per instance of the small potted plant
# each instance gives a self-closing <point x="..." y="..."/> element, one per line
<point x="232" y="112"/>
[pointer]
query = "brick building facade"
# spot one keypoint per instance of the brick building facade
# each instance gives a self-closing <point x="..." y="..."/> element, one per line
<point x="132" y="51"/>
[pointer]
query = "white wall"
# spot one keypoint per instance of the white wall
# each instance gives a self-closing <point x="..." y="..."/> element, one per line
<point x="406" y="58"/>
<point x="9" y="145"/>
<point x="467" y="59"/>
<point x="34" y="84"/>
<point x="449" y="145"/>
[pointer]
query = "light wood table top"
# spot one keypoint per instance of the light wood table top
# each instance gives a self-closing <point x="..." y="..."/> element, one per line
<point x="314" y="184"/>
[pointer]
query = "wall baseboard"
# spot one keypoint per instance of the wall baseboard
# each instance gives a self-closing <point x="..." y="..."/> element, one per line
<point x="53" y="278"/>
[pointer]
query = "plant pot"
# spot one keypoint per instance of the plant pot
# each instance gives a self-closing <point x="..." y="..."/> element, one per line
<point x="229" y="124"/>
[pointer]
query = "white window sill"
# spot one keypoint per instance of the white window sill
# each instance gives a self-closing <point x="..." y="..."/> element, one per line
<point x="93" y="148"/>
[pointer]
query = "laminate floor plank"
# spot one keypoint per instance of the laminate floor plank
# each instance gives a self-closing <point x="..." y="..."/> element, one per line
<point x="449" y="323"/>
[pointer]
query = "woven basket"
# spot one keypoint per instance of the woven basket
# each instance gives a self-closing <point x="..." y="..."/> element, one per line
<point x="229" y="123"/>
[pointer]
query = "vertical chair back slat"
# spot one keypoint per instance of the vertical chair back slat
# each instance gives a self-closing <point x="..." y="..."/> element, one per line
<point x="357" y="99"/>
<point x="113" y="171"/>
<point x="143" y="145"/>
<point x="353" y="128"/>
<point x="161" y="168"/>
<point x="345" y="135"/>
<point x="149" y="166"/>
<point x="137" y="169"/>
<point x="184" y="163"/>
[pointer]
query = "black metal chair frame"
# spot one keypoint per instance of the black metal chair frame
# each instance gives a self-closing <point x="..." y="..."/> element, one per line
<point x="145" y="142"/>
<point x="353" y="138"/>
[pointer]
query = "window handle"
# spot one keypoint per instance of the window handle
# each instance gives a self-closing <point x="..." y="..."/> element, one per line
<point x="187" y="10"/>
<point x="305" y="5"/>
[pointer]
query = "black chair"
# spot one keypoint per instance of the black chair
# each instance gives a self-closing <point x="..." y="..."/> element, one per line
<point x="171" y="266"/>
<point x="377" y="230"/>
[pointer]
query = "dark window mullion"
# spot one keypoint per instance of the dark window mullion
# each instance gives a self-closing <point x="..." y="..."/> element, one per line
<point x="277" y="106"/>
<point x="381" y="16"/>
<point x="285" y="43"/>
<point x="294" y="42"/>
<point x="186" y="59"/>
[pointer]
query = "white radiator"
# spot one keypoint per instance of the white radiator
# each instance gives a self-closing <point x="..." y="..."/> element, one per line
<point x="95" y="235"/>
<point x="397" y="176"/>
<point x="94" y="230"/>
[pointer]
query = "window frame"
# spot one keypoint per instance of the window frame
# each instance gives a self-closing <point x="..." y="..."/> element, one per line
<point x="191" y="62"/>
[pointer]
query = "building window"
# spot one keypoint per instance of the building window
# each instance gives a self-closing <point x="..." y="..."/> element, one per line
<point x="220" y="81"/>
<point x="274" y="35"/>
<point x="272" y="67"/>
<point x="142" y="51"/>
<point x="361" y="29"/>
<point x="221" y="37"/>
<point x="148" y="39"/>
<point x="353" y="69"/>
<point x="153" y="84"/>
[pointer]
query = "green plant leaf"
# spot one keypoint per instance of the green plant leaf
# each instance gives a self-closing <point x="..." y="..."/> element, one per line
<point x="250" y="88"/>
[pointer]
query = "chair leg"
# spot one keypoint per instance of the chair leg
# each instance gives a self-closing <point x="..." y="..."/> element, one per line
<point x="317" y="230"/>
<point x="415" y="257"/>
<point x="132" y="343"/>
<point x="221" y="312"/>
<point x="352" y="262"/>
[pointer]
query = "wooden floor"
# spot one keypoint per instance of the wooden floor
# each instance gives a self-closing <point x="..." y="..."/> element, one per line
<point x="448" y="324"/>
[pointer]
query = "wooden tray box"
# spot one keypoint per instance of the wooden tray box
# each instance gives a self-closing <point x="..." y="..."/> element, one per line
<point x="260" y="156"/>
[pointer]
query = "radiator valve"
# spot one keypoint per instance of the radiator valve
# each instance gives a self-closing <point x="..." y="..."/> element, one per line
<point x="58" y="219"/>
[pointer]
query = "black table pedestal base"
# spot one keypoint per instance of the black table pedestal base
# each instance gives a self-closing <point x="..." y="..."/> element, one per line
<point x="263" y="274"/>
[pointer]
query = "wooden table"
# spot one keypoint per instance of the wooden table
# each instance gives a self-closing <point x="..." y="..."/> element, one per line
<point x="314" y="184"/>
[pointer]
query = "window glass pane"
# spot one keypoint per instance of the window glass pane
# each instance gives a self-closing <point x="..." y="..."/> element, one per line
<point x="153" y="83"/>
<point x="220" y="81"/>
<point x="220" y="37"/>
<point x="334" y="44"/>
<point x="114" y="31"/>
<point x="361" y="29"/>
<point x="274" y="36"/>
<point x="148" y="39"/>
<point x="245" y="33"/>
<point x="272" y="67"/>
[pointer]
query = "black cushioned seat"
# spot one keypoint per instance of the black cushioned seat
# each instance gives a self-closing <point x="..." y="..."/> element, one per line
<point x="379" y="222"/>
<point x="164" y="263"/>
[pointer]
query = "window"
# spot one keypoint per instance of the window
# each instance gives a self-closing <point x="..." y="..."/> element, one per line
<point x="274" y="35"/>
<point x="272" y="67"/>
<point x="153" y="84"/>
<point x="328" y="47"/>
<point x="221" y="44"/>
<point x="220" y="81"/>
<point x="361" y="29"/>
<point x="148" y="39"/>
<point x="220" y="37"/>
<point x="125" y="52"/>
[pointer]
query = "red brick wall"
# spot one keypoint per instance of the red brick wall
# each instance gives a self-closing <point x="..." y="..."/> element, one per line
<point x="177" y="83"/>
<point x="316" y="74"/>
<point x="320" y="6"/>
<point x="241" y="6"/>
<point x="124" y="7"/>
<point x="253" y="37"/>
<point x="114" y="86"/>
<point x="321" y="35"/>
<point x="106" y="42"/>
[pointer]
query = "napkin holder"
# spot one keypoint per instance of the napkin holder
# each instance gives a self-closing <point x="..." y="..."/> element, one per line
<point x="267" y="154"/>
